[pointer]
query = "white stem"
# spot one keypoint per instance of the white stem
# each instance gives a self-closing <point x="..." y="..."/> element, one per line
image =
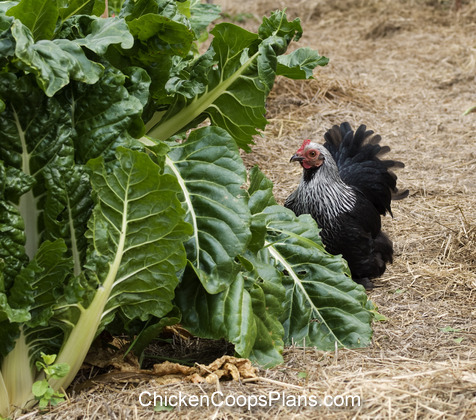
<point x="17" y="375"/>
<point x="28" y="208"/>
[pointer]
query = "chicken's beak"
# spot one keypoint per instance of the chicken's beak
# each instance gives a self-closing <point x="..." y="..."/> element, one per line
<point x="296" y="157"/>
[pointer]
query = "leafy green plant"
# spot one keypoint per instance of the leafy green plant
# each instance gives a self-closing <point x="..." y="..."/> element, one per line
<point x="113" y="214"/>
<point x="42" y="390"/>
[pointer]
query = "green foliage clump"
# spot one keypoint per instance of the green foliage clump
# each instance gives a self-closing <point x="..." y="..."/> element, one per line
<point x="120" y="210"/>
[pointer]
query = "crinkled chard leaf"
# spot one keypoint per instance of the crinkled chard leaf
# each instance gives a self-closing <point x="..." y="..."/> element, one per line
<point x="211" y="174"/>
<point x="68" y="204"/>
<point x="34" y="129"/>
<point x="37" y="289"/>
<point x="104" y="113"/>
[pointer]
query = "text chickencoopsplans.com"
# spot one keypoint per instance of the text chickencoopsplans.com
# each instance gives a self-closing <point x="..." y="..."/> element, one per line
<point x="219" y="399"/>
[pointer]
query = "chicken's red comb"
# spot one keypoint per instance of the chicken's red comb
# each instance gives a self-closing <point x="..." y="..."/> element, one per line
<point x="304" y="144"/>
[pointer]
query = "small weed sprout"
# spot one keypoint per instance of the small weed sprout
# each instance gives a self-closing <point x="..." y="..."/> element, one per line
<point x="42" y="390"/>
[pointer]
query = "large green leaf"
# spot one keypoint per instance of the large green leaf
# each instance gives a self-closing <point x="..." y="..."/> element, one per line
<point x="247" y="312"/>
<point x="138" y="226"/>
<point x="54" y="63"/>
<point x="211" y="174"/>
<point x="324" y="306"/>
<point x="300" y="63"/>
<point x="39" y="16"/>
<point x="201" y="15"/>
<point x="33" y="132"/>
<point x="264" y="284"/>
<point x="240" y="76"/>
<point x="97" y="34"/>
<point x="167" y="36"/>
<point x="68" y="204"/>
<point x="136" y="235"/>
<point x="103" y="113"/>
<point x="228" y="314"/>
<point x="68" y="8"/>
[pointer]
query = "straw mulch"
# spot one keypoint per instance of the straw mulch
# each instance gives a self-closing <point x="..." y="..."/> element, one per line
<point x="407" y="70"/>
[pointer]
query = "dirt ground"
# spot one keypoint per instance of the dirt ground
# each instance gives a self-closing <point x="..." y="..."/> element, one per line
<point x="406" y="69"/>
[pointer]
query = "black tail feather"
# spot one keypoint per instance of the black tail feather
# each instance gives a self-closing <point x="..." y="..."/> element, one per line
<point x="358" y="158"/>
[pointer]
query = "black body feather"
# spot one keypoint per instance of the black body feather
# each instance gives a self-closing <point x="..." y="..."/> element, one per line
<point x="346" y="193"/>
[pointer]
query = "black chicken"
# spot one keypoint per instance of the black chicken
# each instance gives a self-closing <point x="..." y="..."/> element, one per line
<point x="345" y="187"/>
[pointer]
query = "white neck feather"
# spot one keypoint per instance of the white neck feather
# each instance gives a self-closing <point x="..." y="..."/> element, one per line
<point x="325" y="195"/>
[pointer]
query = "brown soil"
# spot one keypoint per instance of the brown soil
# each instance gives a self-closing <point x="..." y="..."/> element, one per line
<point x="407" y="70"/>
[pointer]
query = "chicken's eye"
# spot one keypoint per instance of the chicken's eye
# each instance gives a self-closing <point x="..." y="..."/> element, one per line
<point x="312" y="153"/>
